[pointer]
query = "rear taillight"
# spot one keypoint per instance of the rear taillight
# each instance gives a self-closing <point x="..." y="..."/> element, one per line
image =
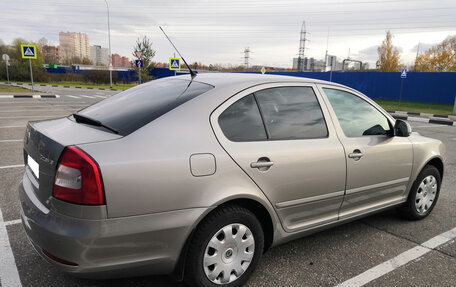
<point x="78" y="178"/>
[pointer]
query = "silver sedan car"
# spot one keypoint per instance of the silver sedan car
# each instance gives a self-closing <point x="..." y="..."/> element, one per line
<point x="198" y="177"/>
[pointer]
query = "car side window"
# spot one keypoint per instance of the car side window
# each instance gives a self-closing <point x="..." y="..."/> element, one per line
<point x="356" y="116"/>
<point x="242" y="121"/>
<point x="292" y="113"/>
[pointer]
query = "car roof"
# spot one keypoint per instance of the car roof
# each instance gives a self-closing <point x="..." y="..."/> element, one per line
<point x="243" y="80"/>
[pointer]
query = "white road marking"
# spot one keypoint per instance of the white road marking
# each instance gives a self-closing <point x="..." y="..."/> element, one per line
<point x="9" y="141"/>
<point x="430" y="126"/>
<point x="9" y="276"/>
<point x="400" y="260"/>
<point x="25" y="117"/>
<point x="70" y="104"/>
<point x="13" y="222"/>
<point x="90" y="97"/>
<point x="21" y="111"/>
<point x="71" y="96"/>
<point x="7" y="127"/>
<point x="6" y="96"/>
<point x="12" y="166"/>
<point x="49" y="106"/>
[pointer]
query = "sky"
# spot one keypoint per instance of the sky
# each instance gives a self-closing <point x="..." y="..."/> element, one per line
<point x="218" y="31"/>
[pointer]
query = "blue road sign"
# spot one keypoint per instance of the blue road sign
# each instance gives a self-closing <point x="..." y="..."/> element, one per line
<point x="28" y="51"/>
<point x="139" y="63"/>
<point x="174" y="64"/>
<point x="404" y="73"/>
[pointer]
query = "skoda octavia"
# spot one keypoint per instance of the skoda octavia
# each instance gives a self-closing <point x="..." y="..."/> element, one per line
<point x="198" y="177"/>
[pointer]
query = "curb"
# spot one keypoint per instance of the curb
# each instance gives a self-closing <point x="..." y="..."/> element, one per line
<point x="57" y="86"/>
<point x="29" y="96"/>
<point x="404" y="117"/>
<point x="424" y="115"/>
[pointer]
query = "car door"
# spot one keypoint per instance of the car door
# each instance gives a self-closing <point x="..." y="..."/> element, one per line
<point x="378" y="164"/>
<point x="277" y="133"/>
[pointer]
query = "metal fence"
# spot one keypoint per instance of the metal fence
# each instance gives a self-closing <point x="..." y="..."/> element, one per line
<point x="438" y="88"/>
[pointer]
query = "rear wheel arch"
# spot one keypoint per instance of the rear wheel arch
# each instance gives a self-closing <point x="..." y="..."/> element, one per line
<point x="258" y="209"/>
<point x="262" y="214"/>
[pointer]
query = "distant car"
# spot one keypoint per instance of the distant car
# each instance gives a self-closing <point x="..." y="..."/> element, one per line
<point x="199" y="177"/>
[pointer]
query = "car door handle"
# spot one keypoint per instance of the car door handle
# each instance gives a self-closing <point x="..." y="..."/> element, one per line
<point x="260" y="164"/>
<point x="356" y="154"/>
<point x="263" y="164"/>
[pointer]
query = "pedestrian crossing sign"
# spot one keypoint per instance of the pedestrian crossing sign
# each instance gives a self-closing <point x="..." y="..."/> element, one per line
<point x="404" y="73"/>
<point x="174" y="64"/>
<point x="28" y="51"/>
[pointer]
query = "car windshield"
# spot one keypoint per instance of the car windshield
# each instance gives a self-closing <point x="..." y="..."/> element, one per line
<point x="138" y="106"/>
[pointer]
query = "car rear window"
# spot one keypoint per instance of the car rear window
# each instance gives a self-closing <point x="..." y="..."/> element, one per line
<point x="130" y="110"/>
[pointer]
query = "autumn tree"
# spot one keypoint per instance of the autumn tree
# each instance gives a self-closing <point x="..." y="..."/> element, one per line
<point x="388" y="56"/>
<point x="440" y="58"/>
<point x="145" y="46"/>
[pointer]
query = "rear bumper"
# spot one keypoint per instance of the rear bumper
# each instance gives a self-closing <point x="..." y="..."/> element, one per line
<point x="118" y="247"/>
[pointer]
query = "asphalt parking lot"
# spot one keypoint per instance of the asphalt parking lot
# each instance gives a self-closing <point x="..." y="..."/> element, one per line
<point x="329" y="258"/>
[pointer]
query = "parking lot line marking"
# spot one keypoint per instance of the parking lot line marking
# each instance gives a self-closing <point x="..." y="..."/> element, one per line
<point x="8" y="141"/>
<point x="12" y="166"/>
<point x="90" y="97"/>
<point x="8" y="127"/>
<point x="9" y="276"/>
<point x="13" y="222"/>
<point x="26" y="117"/>
<point x="75" y="97"/>
<point x="21" y="111"/>
<point x="48" y="106"/>
<point x="400" y="260"/>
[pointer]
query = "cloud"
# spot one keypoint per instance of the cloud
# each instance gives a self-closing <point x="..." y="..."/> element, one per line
<point x="218" y="31"/>
<point x="368" y="54"/>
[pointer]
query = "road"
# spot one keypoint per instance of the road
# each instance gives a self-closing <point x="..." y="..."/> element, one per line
<point x="327" y="258"/>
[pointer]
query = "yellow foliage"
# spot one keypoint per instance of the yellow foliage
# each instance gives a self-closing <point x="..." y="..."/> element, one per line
<point x="388" y="56"/>
<point x="440" y="58"/>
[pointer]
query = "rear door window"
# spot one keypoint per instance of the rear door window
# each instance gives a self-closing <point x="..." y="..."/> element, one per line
<point x="242" y="121"/>
<point x="275" y="114"/>
<point x="136" y="107"/>
<point x="292" y="113"/>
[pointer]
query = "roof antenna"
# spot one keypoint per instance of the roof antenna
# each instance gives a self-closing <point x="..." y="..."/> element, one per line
<point x="193" y="74"/>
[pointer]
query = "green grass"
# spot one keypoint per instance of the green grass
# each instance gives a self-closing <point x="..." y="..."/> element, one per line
<point x="10" y="89"/>
<point x="416" y="107"/>
<point x="85" y="85"/>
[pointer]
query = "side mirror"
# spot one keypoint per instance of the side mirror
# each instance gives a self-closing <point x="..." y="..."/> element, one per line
<point x="402" y="129"/>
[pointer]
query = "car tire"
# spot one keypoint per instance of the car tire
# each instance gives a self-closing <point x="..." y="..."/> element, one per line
<point x="229" y="238"/>
<point x="423" y="194"/>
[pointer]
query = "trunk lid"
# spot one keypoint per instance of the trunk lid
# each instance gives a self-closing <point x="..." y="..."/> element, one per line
<point x="45" y="141"/>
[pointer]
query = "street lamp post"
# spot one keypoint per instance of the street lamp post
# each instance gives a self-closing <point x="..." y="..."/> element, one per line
<point x="110" y="55"/>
